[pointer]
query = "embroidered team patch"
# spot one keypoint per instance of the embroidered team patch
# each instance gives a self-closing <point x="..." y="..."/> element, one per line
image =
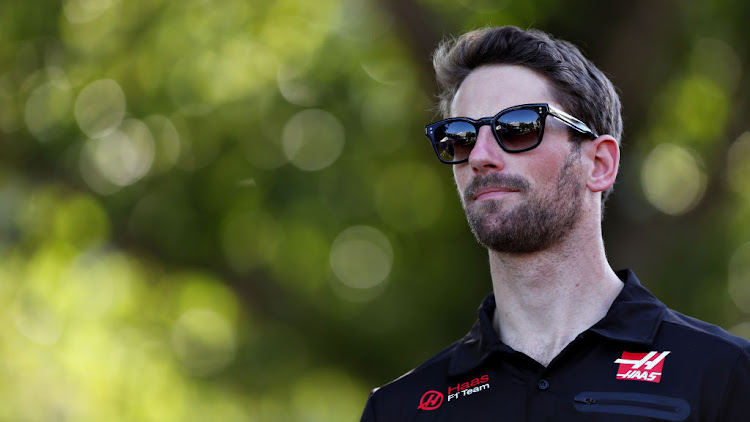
<point x="433" y="399"/>
<point x="641" y="366"/>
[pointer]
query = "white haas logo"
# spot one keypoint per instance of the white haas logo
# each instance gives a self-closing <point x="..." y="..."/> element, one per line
<point x="641" y="366"/>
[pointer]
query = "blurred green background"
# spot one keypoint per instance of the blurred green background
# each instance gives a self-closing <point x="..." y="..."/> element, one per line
<point x="227" y="210"/>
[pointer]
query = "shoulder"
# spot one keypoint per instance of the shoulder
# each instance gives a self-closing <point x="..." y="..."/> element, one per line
<point x="722" y="359"/>
<point x="404" y="395"/>
<point x="423" y="387"/>
<point x="705" y="348"/>
<point x="433" y="369"/>
<point x="701" y="332"/>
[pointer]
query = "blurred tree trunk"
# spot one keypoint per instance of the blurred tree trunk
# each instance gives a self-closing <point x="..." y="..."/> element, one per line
<point x="416" y="26"/>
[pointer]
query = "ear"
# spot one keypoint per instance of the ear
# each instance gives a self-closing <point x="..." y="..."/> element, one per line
<point x="604" y="155"/>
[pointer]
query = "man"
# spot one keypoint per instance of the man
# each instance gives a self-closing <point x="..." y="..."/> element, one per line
<point x="533" y="143"/>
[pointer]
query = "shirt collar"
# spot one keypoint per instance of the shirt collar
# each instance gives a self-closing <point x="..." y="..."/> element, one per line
<point x="634" y="317"/>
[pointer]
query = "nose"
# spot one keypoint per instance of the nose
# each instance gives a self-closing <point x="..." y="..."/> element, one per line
<point x="486" y="154"/>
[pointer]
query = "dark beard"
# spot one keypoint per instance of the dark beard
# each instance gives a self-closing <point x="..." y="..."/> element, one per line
<point x="534" y="225"/>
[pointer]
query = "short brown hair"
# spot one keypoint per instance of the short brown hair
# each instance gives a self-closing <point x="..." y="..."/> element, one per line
<point x="579" y="86"/>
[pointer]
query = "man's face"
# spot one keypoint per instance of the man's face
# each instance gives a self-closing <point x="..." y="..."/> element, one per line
<point x="524" y="202"/>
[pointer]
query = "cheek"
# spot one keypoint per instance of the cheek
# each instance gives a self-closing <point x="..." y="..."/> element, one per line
<point x="462" y="176"/>
<point x="547" y="175"/>
<point x="548" y="172"/>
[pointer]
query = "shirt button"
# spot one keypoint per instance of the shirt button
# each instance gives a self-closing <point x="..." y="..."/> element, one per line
<point x="543" y="384"/>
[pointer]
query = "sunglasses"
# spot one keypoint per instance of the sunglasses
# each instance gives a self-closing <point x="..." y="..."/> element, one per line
<point x="517" y="129"/>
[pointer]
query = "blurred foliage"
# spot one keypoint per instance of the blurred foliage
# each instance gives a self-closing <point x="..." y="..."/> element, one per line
<point x="220" y="210"/>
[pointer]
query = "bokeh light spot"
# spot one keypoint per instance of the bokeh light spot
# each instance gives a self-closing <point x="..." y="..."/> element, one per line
<point x="409" y="196"/>
<point x="35" y="320"/>
<point x="91" y="285"/>
<point x="386" y="71"/>
<point x="692" y="112"/>
<point x="296" y="89"/>
<point x="100" y="107"/>
<point x="224" y="71"/>
<point x="81" y="222"/>
<point x="702" y="109"/>
<point x="122" y="157"/>
<point x="739" y="277"/>
<point x="297" y="29"/>
<point x="672" y="179"/>
<point x="742" y="329"/>
<point x="47" y="107"/>
<point x="203" y="341"/>
<point x="167" y="142"/>
<point x="313" y="139"/>
<point x="202" y="291"/>
<point x="363" y="21"/>
<point x="80" y="11"/>
<point x="98" y="284"/>
<point x="36" y="214"/>
<point x="361" y="257"/>
<point x="717" y="61"/>
<point x="738" y="165"/>
<point x="237" y="70"/>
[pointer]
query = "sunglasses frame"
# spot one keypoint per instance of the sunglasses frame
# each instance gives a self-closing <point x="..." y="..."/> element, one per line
<point x="542" y="109"/>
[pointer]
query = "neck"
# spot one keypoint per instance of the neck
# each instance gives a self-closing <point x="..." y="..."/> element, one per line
<point x="545" y="299"/>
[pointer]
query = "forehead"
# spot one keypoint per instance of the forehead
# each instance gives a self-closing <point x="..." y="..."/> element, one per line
<point x="491" y="88"/>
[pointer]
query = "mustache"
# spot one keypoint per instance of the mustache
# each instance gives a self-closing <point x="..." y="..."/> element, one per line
<point x="507" y="181"/>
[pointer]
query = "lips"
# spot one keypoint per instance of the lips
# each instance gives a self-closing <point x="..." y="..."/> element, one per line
<point x="492" y="192"/>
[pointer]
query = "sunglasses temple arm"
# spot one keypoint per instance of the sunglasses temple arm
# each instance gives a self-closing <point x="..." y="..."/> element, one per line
<point x="571" y="121"/>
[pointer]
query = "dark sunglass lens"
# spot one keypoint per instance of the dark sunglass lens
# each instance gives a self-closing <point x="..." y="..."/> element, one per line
<point x="519" y="129"/>
<point x="454" y="140"/>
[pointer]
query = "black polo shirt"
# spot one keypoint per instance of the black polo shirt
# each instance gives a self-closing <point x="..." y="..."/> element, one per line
<point x="641" y="362"/>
